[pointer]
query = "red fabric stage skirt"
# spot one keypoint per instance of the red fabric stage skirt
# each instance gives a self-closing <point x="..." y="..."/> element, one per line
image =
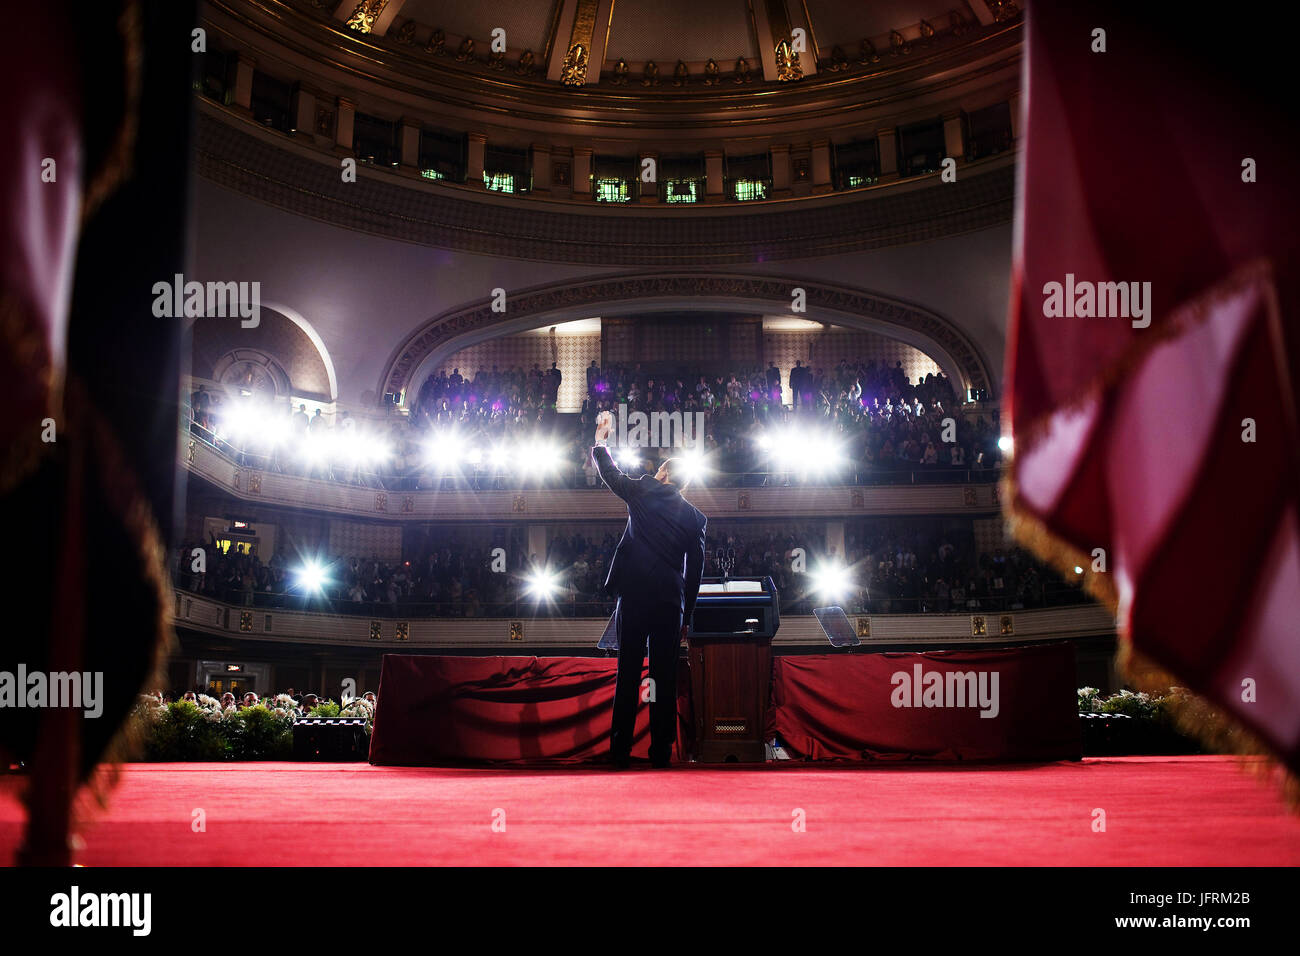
<point x="441" y="710"/>
<point x="446" y="710"/>
<point x="905" y="706"/>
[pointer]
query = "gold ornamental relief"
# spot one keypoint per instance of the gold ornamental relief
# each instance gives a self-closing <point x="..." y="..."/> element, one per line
<point x="581" y="39"/>
<point x="574" y="72"/>
<point x="787" y="63"/>
<point x="364" y="16"/>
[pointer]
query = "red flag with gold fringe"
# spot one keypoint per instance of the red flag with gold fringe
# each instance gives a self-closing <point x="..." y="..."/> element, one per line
<point x="95" y="186"/>
<point x="1148" y="377"/>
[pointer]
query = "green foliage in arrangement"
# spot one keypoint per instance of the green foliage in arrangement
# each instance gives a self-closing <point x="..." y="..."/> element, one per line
<point x="257" y="733"/>
<point x="183" y="731"/>
<point x="203" y="730"/>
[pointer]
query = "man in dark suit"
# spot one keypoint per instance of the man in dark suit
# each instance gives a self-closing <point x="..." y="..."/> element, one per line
<point x="655" y="574"/>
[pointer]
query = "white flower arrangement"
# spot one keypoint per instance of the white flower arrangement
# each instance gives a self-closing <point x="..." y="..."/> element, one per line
<point x="358" y="707"/>
<point x="149" y="708"/>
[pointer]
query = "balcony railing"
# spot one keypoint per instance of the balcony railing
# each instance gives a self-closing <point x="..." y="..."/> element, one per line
<point x="506" y="477"/>
<point x="528" y="631"/>
<point x="578" y="605"/>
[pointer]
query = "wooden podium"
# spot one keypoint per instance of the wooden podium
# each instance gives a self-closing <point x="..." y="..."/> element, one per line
<point x="731" y="668"/>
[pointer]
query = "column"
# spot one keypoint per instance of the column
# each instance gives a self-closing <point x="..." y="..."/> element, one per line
<point x="647" y="192"/>
<point x="474" y="159"/>
<point x="541" y="169"/>
<point x="887" y="153"/>
<point x="410" y="146"/>
<point x="713" y="184"/>
<point x="343" y="125"/>
<point x="780" y="158"/>
<point x="304" y="113"/>
<point x="536" y="543"/>
<point x="243" y="95"/>
<point x="954" y="140"/>
<point x="821" y="167"/>
<point x="581" y="172"/>
<point x="835" y="542"/>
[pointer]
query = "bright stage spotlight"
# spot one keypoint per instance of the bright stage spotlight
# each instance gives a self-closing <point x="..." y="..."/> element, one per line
<point x="833" y="582"/>
<point x="804" y="453"/>
<point x="539" y="456"/>
<point x="628" y="456"/>
<point x="1005" y="444"/>
<point x="542" y="585"/>
<point x="240" y="423"/>
<point x="277" y="430"/>
<point x="446" y="449"/>
<point x="312" y="578"/>
<point x="315" y="448"/>
<point x="499" y="458"/>
<point x="362" y="449"/>
<point x="694" y="465"/>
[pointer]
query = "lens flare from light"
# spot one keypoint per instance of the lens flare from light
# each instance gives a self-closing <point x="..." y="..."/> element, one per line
<point x="832" y="581"/>
<point x="542" y="585"/>
<point x="312" y="577"/>
<point x="799" y="451"/>
<point x="695" y="466"/>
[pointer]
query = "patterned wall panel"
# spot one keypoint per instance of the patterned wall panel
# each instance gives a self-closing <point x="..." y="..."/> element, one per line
<point x="619" y="342"/>
<point x="349" y="538"/>
<point x="690" y="342"/>
<point x="668" y="30"/>
<point x="572" y="353"/>
<point x="990" y="534"/>
<point x="825" y="349"/>
<point x="746" y="342"/>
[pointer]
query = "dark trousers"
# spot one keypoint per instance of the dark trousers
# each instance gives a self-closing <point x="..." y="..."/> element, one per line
<point x="661" y="626"/>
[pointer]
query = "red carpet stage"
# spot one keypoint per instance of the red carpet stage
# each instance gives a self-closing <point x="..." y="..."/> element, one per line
<point x="1000" y="704"/>
<point x="1159" y="811"/>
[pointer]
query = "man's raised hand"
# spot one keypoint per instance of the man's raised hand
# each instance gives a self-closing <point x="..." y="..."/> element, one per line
<point x="604" y="426"/>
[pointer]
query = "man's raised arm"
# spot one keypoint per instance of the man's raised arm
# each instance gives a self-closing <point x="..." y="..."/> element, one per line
<point x="619" y="483"/>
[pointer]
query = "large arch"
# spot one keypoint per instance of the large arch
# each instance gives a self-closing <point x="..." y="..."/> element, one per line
<point x="466" y="325"/>
<point x="282" y="340"/>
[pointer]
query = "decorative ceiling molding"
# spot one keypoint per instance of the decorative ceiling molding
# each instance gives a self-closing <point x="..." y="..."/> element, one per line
<point x="249" y="160"/>
<point x="938" y="336"/>
<point x="473" y="80"/>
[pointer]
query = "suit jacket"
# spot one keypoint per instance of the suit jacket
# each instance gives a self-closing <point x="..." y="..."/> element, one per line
<point x="660" y="558"/>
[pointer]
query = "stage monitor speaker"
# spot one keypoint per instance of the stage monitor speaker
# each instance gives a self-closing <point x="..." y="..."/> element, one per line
<point x="330" y="738"/>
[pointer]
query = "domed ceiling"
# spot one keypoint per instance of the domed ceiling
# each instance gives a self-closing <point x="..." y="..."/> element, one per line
<point x="671" y="43"/>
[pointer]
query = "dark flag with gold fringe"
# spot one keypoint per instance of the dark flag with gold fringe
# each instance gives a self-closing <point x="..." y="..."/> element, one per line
<point x="1151" y="349"/>
<point x="95" y="176"/>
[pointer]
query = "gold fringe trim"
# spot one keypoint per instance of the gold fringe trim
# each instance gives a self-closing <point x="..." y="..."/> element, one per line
<point x="1197" y="717"/>
<point x="27" y="352"/>
<point x="117" y="163"/>
<point x="1200" y="719"/>
<point x="124" y="498"/>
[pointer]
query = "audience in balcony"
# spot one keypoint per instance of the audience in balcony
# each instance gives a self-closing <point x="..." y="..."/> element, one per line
<point x="917" y="568"/>
<point x="887" y="426"/>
